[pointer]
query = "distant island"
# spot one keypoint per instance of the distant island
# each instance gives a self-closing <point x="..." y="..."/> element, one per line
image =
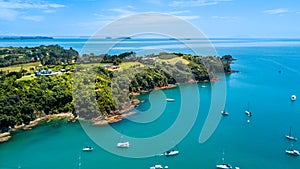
<point x="24" y="37"/>
<point x="38" y="82"/>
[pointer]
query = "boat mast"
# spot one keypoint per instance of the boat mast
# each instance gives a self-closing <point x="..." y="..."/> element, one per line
<point x="79" y="162"/>
<point x="248" y="106"/>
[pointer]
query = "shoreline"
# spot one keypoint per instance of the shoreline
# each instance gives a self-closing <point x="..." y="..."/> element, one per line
<point x="115" y="117"/>
<point x="120" y="114"/>
<point x="6" y="136"/>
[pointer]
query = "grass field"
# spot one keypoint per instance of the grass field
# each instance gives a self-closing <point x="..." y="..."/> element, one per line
<point x="126" y="65"/>
<point x="174" y="60"/>
<point x="17" y="68"/>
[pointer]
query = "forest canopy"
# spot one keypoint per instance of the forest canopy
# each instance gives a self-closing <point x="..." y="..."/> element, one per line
<point x="112" y="78"/>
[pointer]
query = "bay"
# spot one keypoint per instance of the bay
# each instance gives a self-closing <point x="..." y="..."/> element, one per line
<point x="259" y="144"/>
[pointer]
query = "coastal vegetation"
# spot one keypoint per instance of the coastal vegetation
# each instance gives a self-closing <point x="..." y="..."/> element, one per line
<point x="47" y="55"/>
<point x="23" y="100"/>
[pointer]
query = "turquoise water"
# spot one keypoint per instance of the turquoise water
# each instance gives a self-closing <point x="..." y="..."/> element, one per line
<point x="259" y="144"/>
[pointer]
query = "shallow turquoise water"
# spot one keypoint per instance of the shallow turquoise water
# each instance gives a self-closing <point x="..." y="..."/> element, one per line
<point x="260" y="144"/>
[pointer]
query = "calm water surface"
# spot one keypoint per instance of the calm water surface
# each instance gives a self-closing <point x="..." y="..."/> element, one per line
<point x="259" y="144"/>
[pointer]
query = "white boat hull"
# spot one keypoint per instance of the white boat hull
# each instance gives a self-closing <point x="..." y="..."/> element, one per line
<point x="123" y="145"/>
<point x="87" y="149"/>
<point x="224" y="166"/>
<point x="291" y="138"/>
<point x="171" y="153"/>
<point x="293" y="152"/>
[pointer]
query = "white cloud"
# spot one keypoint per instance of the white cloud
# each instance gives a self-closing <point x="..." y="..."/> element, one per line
<point x="224" y="18"/>
<point x="123" y="12"/>
<point x="196" y="3"/>
<point x="189" y="17"/>
<point x="105" y="18"/>
<point x="48" y="11"/>
<point x="25" y="4"/>
<point x="8" y="14"/>
<point x="178" y="12"/>
<point x="276" y="11"/>
<point x="21" y="9"/>
<point x="33" y="18"/>
<point x="156" y="2"/>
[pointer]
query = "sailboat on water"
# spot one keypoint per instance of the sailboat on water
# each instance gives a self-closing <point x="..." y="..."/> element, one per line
<point x="225" y="165"/>
<point x="248" y="112"/>
<point x="290" y="137"/>
<point x="292" y="151"/>
<point x="224" y="113"/>
<point x="123" y="144"/>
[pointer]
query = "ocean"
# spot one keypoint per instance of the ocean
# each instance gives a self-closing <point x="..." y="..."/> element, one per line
<point x="269" y="75"/>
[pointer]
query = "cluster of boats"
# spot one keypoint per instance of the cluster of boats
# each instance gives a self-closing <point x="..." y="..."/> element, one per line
<point x="292" y="151"/>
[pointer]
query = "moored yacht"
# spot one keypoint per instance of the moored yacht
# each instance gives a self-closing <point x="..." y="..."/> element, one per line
<point x="293" y="97"/>
<point x="224" y="166"/>
<point x="87" y="149"/>
<point x="248" y="113"/>
<point x="123" y="144"/>
<point x="290" y="137"/>
<point x="224" y="113"/>
<point x="170" y="100"/>
<point x="157" y="166"/>
<point x="293" y="152"/>
<point x="171" y="153"/>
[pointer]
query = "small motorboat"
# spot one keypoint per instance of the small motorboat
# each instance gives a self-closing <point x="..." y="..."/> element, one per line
<point x="88" y="149"/>
<point x="293" y="152"/>
<point x="203" y="86"/>
<point x="157" y="166"/>
<point x="123" y="144"/>
<point x="171" y="153"/>
<point x="224" y="113"/>
<point x="170" y="100"/>
<point x="293" y="97"/>
<point x="224" y="166"/>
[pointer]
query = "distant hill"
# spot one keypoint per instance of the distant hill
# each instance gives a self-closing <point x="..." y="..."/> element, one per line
<point x="24" y="37"/>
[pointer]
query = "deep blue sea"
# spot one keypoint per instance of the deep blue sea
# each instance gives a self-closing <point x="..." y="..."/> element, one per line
<point x="269" y="75"/>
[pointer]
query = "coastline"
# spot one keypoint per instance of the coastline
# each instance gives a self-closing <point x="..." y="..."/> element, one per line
<point x="6" y="136"/>
<point x="125" y="112"/>
<point x="115" y="117"/>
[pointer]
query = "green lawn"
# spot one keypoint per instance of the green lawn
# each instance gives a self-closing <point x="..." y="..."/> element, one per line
<point x="17" y="68"/>
<point x="127" y="65"/>
<point x="173" y="60"/>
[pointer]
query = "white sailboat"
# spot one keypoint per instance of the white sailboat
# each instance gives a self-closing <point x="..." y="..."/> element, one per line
<point x="224" y="165"/>
<point x="224" y="113"/>
<point x="171" y="153"/>
<point x="290" y="137"/>
<point x="123" y="144"/>
<point x="88" y="149"/>
<point x="293" y="152"/>
<point x="248" y="112"/>
<point x="170" y="100"/>
<point x="293" y="97"/>
<point x="157" y="166"/>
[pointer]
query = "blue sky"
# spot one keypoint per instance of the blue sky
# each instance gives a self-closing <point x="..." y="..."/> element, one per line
<point x="215" y="18"/>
